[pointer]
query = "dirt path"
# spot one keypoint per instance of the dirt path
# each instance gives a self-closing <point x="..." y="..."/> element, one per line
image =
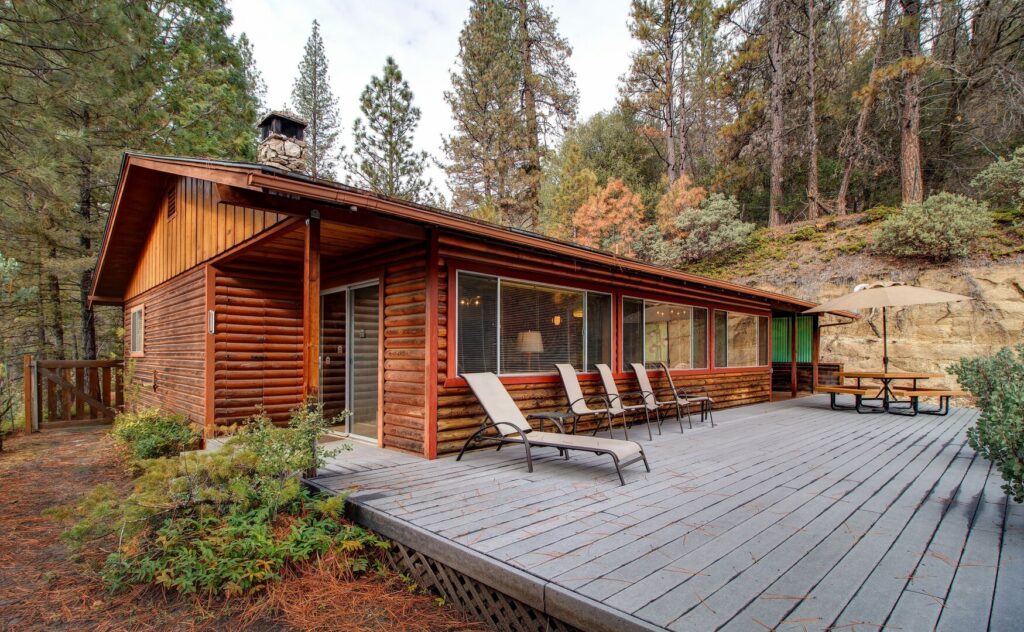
<point x="42" y="586"/>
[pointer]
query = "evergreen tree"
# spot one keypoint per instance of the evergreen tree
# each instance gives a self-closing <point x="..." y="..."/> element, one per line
<point x="314" y="101"/>
<point x="383" y="158"/>
<point x="512" y="92"/>
<point x="548" y="86"/>
<point x="83" y="80"/>
<point x="611" y="219"/>
<point x="576" y="184"/>
<point x="486" y="151"/>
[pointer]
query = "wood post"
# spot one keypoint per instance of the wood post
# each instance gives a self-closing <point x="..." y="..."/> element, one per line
<point x="311" y="308"/>
<point x="430" y="355"/>
<point x="210" y="355"/>
<point x="30" y="405"/>
<point x="815" y="351"/>
<point x="792" y="358"/>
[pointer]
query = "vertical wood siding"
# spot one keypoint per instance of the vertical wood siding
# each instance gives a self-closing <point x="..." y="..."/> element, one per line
<point x="170" y="373"/>
<point x="258" y="342"/>
<point x="201" y="228"/>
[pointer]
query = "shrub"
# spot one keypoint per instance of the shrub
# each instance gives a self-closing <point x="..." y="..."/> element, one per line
<point x="224" y="522"/>
<point x="998" y="383"/>
<point x="944" y="227"/>
<point x="1002" y="182"/>
<point x="805" y="233"/>
<point x="149" y="433"/>
<point x="712" y="228"/>
<point x="879" y="213"/>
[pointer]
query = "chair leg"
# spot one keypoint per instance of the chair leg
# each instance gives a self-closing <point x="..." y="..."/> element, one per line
<point x="647" y="414"/>
<point x="625" y="426"/>
<point x="679" y="416"/>
<point x="618" y="470"/>
<point x="529" y="459"/>
<point x="711" y="414"/>
<point x="469" y="441"/>
<point x="644" y="456"/>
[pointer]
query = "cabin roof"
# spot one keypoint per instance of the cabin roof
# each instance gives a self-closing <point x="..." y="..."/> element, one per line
<point x="143" y="179"/>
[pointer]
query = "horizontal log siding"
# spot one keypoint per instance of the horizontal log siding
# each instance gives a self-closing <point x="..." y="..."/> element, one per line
<point x="170" y="373"/>
<point x="459" y="415"/>
<point x="201" y="228"/>
<point x="828" y="373"/>
<point x="405" y="342"/>
<point x="258" y="342"/>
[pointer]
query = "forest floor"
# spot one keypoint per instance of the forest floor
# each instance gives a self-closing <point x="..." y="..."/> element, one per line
<point x="44" y="585"/>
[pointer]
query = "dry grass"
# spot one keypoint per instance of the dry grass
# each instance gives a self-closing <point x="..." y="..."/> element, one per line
<point x="43" y="586"/>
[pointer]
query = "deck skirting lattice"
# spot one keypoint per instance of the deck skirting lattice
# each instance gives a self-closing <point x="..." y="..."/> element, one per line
<point x="472" y="597"/>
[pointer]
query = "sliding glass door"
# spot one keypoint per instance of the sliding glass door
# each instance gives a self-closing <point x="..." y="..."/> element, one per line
<point x="350" y="356"/>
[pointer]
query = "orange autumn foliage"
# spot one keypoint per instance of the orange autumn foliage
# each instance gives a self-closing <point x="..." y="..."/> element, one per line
<point x="610" y="219"/>
<point x="681" y="197"/>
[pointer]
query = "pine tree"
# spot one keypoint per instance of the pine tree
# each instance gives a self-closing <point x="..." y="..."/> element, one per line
<point x="611" y="219"/>
<point x="383" y="158"/>
<point x="512" y="91"/>
<point x="314" y="101"/>
<point x="548" y="86"/>
<point x="486" y="151"/>
<point x="576" y="184"/>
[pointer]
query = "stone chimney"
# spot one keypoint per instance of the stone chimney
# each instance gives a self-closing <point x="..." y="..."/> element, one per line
<point x="281" y="143"/>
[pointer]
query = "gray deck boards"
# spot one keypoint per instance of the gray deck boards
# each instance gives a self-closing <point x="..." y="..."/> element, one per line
<point x="785" y="516"/>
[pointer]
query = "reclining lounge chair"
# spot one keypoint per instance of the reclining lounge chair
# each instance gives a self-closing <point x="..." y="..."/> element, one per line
<point x="618" y="406"/>
<point x="505" y="423"/>
<point x="651" y="397"/>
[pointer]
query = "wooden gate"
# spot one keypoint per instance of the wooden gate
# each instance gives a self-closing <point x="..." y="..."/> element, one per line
<point x="72" y="392"/>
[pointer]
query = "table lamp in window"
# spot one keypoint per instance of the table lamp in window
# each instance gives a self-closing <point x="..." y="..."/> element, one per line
<point x="530" y="342"/>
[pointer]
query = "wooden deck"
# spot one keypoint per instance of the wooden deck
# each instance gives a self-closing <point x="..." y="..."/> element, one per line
<point x="785" y="516"/>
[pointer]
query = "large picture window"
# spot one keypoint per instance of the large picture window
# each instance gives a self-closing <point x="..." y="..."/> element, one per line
<point x="740" y="339"/>
<point x="654" y="333"/>
<point x="508" y="326"/>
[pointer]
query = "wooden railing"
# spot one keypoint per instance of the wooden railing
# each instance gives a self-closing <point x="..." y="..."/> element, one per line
<point x="68" y="392"/>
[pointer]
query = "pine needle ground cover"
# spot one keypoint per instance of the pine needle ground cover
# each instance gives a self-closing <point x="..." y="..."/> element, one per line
<point x="45" y="585"/>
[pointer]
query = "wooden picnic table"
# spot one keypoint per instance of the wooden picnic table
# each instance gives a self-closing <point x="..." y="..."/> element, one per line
<point x="887" y="378"/>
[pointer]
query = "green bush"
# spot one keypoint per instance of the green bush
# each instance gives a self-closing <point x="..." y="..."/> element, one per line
<point x="224" y="522"/>
<point x="1002" y="182"/>
<point x="149" y="433"/>
<point x="879" y="213"/>
<point x="712" y="228"/>
<point x="998" y="383"/>
<point x="944" y="227"/>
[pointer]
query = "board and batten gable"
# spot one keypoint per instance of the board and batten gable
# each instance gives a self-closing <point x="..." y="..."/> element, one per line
<point x="169" y="285"/>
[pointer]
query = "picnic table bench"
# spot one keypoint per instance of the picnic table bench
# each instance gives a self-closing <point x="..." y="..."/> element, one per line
<point x="860" y="393"/>
<point x="914" y="394"/>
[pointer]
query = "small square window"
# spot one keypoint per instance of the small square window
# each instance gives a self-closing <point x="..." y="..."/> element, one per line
<point x="137" y="331"/>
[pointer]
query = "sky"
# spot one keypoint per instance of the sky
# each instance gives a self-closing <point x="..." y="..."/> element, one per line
<point x="422" y="36"/>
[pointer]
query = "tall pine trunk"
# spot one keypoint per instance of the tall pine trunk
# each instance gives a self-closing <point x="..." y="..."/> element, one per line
<point x="670" y="111"/>
<point x="812" y="119"/>
<point x="533" y="166"/>
<point x="855" y="150"/>
<point x="911" y="179"/>
<point x="86" y="314"/>
<point x="775" y="27"/>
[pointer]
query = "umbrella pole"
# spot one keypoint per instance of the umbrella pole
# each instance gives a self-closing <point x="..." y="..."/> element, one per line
<point x="885" y="342"/>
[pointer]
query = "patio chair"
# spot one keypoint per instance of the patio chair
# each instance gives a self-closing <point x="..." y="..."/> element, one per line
<point x="506" y="424"/>
<point x="579" y="404"/>
<point x="699" y="396"/>
<point x="616" y="403"/>
<point x="651" y="397"/>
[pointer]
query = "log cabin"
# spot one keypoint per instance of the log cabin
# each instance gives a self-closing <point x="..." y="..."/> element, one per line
<point x="249" y="286"/>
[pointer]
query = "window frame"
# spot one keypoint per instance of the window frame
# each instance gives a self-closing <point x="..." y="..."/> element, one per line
<point x="757" y="339"/>
<point x="132" y="352"/>
<point x="708" y="336"/>
<point x="554" y="286"/>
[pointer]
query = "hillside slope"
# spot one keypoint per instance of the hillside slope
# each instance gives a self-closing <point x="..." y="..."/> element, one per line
<point x="822" y="260"/>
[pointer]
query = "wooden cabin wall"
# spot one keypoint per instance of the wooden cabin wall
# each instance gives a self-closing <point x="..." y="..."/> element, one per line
<point x="405" y="340"/>
<point x="459" y="414"/>
<point x="170" y="373"/>
<point x="200" y="228"/>
<point x="258" y="341"/>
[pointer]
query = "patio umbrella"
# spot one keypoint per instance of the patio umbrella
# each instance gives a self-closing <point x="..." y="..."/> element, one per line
<point x="885" y="296"/>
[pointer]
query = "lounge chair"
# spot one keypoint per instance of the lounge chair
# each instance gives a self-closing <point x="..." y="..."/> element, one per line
<point x="651" y="397"/>
<point x="506" y="424"/>
<point x="616" y="403"/>
<point x="579" y="404"/>
<point x="699" y="396"/>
